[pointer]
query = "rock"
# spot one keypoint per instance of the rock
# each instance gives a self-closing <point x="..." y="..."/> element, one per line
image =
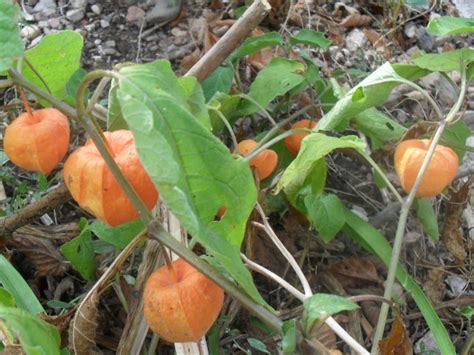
<point x="423" y="39"/>
<point x="75" y="15"/>
<point x="135" y="15"/>
<point x="54" y="23"/>
<point x="44" y="6"/>
<point x="457" y="284"/>
<point x="164" y="11"/>
<point x="35" y="41"/>
<point x="90" y="27"/>
<point x="465" y="8"/>
<point x="109" y="44"/>
<point x="127" y="2"/>
<point x="355" y="39"/>
<point x="427" y="344"/>
<point x="178" y="32"/>
<point x="104" y="23"/>
<point x="78" y="4"/>
<point x="43" y="24"/>
<point x="96" y="9"/>
<point x="30" y="32"/>
<point x="410" y="30"/>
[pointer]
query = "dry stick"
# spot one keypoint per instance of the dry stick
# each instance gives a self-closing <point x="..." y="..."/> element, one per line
<point x="397" y="244"/>
<point x="225" y="46"/>
<point x="53" y="199"/>
<point x="330" y="321"/>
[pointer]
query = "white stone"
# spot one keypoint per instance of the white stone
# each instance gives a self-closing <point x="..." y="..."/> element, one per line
<point x="96" y="9"/>
<point x="75" y="15"/>
<point x="78" y="4"/>
<point x="104" y="23"/>
<point x="30" y="31"/>
<point x="355" y="39"/>
<point x="44" y="5"/>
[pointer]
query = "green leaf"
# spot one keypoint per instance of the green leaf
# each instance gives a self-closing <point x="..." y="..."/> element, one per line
<point x="6" y="298"/>
<point x="72" y="86"/>
<point x="194" y="171"/>
<point x="372" y="91"/>
<point x="446" y="61"/>
<point x="14" y="283"/>
<point x="56" y="58"/>
<point x="455" y="135"/>
<point x="311" y="38"/>
<point x="219" y="81"/>
<point x="80" y="252"/>
<point x="378" y="127"/>
<point x="372" y="240"/>
<point x="427" y="217"/>
<point x="254" y="44"/>
<point x="115" y="120"/>
<point x="288" y="342"/>
<point x="258" y="344"/>
<point x="448" y="25"/>
<point x="118" y="236"/>
<point x="11" y="46"/>
<point x="276" y="79"/>
<point x="36" y="336"/>
<point x="314" y="147"/>
<point x="322" y="305"/>
<point x="195" y="99"/>
<point x="226" y="104"/>
<point x="326" y="214"/>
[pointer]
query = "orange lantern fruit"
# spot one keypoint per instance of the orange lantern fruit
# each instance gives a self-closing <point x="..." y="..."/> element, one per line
<point x="293" y="142"/>
<point x="37" y="141"/>
<point x="409" y="156"/>
<point x="265" y="162"/>
<point x="92" y="185"/>
<point x="181" y="304"/>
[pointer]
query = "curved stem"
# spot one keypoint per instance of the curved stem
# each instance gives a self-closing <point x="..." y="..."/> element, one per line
<point x="397" y="243"/>
<point x="383" y="176"/>
<point x="97" y="92"/>
<point x="227" y="125"/>
<point x="25" y="101"/>
<point x="260" y="107"/>
<point x="155" y="229"/>
<point x="261" y="147"/>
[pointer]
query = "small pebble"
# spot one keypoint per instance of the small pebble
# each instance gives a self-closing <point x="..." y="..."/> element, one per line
<point x="75" y="15"/>
<point x="104" y="23"/>
<point x="96" y="9"/>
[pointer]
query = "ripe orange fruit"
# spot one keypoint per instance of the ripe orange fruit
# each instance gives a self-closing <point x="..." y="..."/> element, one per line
<point x="265" y="163"/>
<point x="38" y="141"/>
<point x="293" y="142"/>
<point x="92" y="185"/>
<point x="181" y="307"/>
<point x="441" y="171"/>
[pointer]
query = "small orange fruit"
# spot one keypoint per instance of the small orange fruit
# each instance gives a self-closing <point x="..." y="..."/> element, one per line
<point x="93" y="186"/>
<point x="265" y="163"/>
<point x="37" y="141"/>
<point x="293" y="142"/>
<point x="181" y="305"/>
<point x="441" y="171"/>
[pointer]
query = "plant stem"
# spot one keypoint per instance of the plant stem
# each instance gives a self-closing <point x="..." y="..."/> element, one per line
<point x="227" y="125"/>
<point x="383" y="176"/>
<point x="25" y="101"/>
<point x="260" y="107"/>
<point x="155" y="229"/>
<point x="397" y="243"/>
<point x="261" y="147"/>
<point x="96" y="95"/>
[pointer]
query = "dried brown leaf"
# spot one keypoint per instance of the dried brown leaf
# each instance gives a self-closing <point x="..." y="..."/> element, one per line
<point x="356" y="20"/>
<point x="434" y="285"/>
<point x="209" y="40"/>
<point x="42" y="253"/>
<point x="354" y="271"/>
<point x="321" y="340"/>
<point x="374" y="38"/>
<point x="191" y="59"/>
<point x="419" y="129"/>
<point x="82" y="330"/>
<point x="452" y="235"/>
<point x="398" y="341"/>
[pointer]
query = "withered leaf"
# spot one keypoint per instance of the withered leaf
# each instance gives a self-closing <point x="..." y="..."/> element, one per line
<point x="42" y="253"/>
<point x="82" y="330"/>
<point x="356" y="20"/>
<point x="451" y="235"/>
<point x="419" y="129"/>
<point x="191" y="59"/>
<point x="354" y="271"/>
<point x="397" y="342"/>
<point x="434" y="285"/>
